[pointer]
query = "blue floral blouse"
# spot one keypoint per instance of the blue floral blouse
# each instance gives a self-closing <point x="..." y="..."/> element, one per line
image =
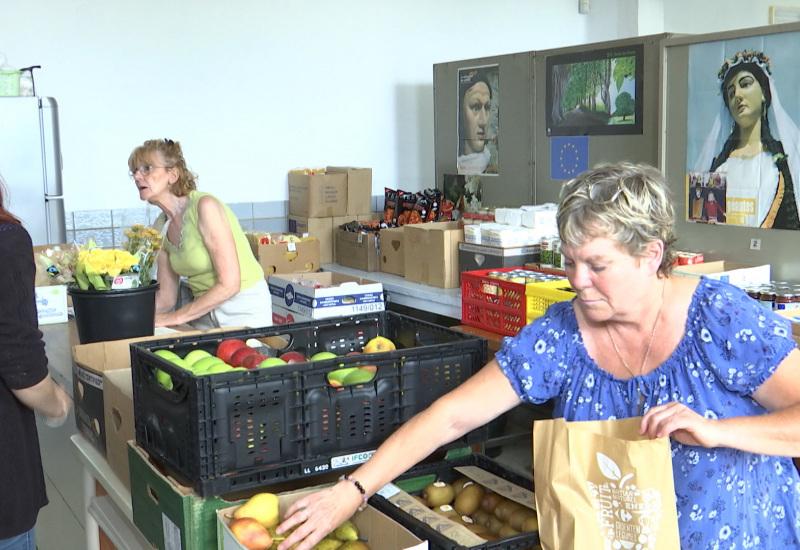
<point x="726" y="498"/>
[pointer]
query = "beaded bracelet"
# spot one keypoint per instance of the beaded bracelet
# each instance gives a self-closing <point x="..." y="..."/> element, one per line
<point x="360" y="488"/>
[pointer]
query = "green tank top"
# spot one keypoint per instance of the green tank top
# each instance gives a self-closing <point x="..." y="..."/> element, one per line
<point x="191" y="258"/>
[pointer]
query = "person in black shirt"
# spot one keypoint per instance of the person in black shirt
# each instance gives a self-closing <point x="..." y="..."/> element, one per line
<point x="25" y="388"/>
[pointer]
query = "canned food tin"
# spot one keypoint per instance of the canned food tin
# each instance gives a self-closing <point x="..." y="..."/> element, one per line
<point x="547" y="250"/>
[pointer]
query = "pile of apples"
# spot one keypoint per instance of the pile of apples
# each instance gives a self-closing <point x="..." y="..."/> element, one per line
<point x="235" y="354"/>
<point x="254" y="522"/>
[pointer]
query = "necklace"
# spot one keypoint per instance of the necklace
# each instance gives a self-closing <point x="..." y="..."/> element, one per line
<point x="649" y="344"/>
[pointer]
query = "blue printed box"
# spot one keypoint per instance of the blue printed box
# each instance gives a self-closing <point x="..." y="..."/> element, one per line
<point x="324" y="294"/>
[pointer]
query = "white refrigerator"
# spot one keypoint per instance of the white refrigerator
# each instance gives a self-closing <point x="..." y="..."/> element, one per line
<point x="30" y="165"/>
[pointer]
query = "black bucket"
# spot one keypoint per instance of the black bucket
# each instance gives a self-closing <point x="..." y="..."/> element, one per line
<point x="102" y="315"/>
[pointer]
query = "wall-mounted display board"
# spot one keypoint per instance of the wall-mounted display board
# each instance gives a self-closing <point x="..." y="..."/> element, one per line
<point x="483" y="148"/>
<point x="731" y="144"/>
<point x="615" y="120"/>
<point x="563" y="110"/>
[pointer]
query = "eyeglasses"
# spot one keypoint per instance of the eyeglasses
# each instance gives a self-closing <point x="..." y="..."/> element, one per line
<point x="144" y="170"/>
<point x="606" y="192"/>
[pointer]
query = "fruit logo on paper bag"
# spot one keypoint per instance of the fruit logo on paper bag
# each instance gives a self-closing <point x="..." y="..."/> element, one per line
<point x="627" y="515"/>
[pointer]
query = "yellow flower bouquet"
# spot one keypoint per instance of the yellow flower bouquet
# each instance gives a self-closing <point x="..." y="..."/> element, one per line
<point x="93" y="267"/>
<point x="130" y="267"/>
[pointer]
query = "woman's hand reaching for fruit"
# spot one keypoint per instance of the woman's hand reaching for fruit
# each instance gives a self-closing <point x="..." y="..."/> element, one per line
<point x="309" y="519"/>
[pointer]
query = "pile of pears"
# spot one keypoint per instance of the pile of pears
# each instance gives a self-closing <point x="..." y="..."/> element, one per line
<point x="488" y="514"/>
<point x="254" y="525"/>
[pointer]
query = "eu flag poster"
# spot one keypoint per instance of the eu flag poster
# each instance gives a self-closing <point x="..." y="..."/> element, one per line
<point x="569" y="156"/>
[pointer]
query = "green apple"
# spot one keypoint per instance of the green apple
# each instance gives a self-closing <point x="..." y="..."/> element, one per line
<point x="215" y="368"/>
<point x="164" y="379"/>
<point x="181" y="363"/>
<point x="205" y="363"/>
<point x="195" y="355"/>
<point x="322" y="355"/>
<point x="271" y="362"/>
<point x="169" y="355"/>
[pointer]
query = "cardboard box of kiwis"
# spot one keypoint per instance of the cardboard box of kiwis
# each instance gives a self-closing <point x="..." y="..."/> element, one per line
<point x="471" y="502"/>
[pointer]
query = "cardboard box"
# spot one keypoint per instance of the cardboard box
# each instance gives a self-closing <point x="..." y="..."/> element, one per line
<point x="318" y="195"/>
<point x="51" y="304"/>
<point x="357" y="250"/>
<point x="472" y="257"/>
<point x="289" y="257"/>
<point x="359" y="188"/>
<point x="379" y="530"/>
<point x="89" y="363"/>
<point x="392" y="251"/>
<point x="741" y="275"/>
<point x="339" y="295"/>
<point x="170" y="515"/>
<point x="282" y="316"/>
<point x="431" y="255"/>
<point x="118" y="414"/>
<point x="321" y="228"/>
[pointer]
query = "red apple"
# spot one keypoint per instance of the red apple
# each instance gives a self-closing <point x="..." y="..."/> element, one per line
<point x="226" y="348"/>
<point x="293" y="357"/>
<point x="239" y="355"/>
<point x="349" y="353"/>
<point x="252" y="361"/>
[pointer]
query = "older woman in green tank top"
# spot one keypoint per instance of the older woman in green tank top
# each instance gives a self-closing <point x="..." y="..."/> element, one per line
<point x="203" y="242"/>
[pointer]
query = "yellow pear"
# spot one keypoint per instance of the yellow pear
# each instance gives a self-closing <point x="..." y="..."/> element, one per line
<point x="251" y="534"/>
<point x="262" y="507"/>
<point x="346" y="532"/>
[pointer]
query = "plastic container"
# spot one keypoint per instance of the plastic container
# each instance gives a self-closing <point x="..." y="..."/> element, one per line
<point x="417" y="478"/>
<point x="9" y="83"/>
<point x="236" y="430"/>
<point x="503" y="306"/>
<point x="102" y="315"/>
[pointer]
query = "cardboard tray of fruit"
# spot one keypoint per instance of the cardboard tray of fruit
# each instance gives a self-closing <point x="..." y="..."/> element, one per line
<point x="321" y="395"/>
<point x="252" y="526"/>
<point x="470" y="502"/>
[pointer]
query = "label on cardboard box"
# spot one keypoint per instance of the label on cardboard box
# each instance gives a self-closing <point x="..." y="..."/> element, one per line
<point x="51" y="304"/>
<point x="336" y="295"/>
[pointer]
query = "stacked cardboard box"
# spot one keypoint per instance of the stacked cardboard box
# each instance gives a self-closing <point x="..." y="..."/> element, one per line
<point x="320" y="203"/>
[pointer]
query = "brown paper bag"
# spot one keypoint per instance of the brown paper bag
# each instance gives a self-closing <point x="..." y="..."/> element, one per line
<point x="600" y="486"/>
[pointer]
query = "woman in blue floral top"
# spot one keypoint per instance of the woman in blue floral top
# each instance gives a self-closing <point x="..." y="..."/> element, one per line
<point x="700" y="360"/>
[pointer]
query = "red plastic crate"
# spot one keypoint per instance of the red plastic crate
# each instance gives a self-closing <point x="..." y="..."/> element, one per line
<point x="504" y="307"/>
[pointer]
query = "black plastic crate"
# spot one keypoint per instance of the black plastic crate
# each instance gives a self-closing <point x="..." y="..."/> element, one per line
<point x="418" y="477"/>
<point x="236" y="430"/>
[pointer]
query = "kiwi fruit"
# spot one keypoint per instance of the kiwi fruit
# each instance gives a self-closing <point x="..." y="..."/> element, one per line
<point x="504" y="510"/>
<point x="438" y="493"/>
<point x="530" y="524"/>
<point x="494" y="524"/>
<point x="490" y="501"/>
<point x="459" y="484"/>
<point x="518" y="517"/>
<point x="481" y="516"/>
<point x="469" y="499"/>
<point x="447" y="511"/>
<point x="507" y="531"/>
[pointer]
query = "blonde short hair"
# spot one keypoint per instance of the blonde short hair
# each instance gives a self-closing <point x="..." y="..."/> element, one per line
<point x="628" y="203"/>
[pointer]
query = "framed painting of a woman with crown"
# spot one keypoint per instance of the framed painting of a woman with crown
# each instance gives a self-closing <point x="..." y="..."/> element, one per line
<point x="741" y="131"/>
